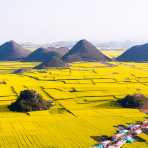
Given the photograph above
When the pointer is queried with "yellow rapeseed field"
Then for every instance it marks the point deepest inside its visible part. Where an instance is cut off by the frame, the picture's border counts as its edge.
(84, 97)
(113, 53)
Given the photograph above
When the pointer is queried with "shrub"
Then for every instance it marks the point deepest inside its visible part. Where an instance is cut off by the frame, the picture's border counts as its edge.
(134, 101)
(29, 100)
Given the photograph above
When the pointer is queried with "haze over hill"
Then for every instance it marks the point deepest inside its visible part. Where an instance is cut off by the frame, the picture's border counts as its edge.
(62, 50)
(102, 45)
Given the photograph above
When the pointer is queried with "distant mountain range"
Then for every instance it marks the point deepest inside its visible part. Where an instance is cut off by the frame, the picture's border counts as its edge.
(82, 50)
(101, 45)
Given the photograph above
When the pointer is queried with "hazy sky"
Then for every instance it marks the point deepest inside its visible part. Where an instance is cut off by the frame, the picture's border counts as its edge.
(54, 20)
